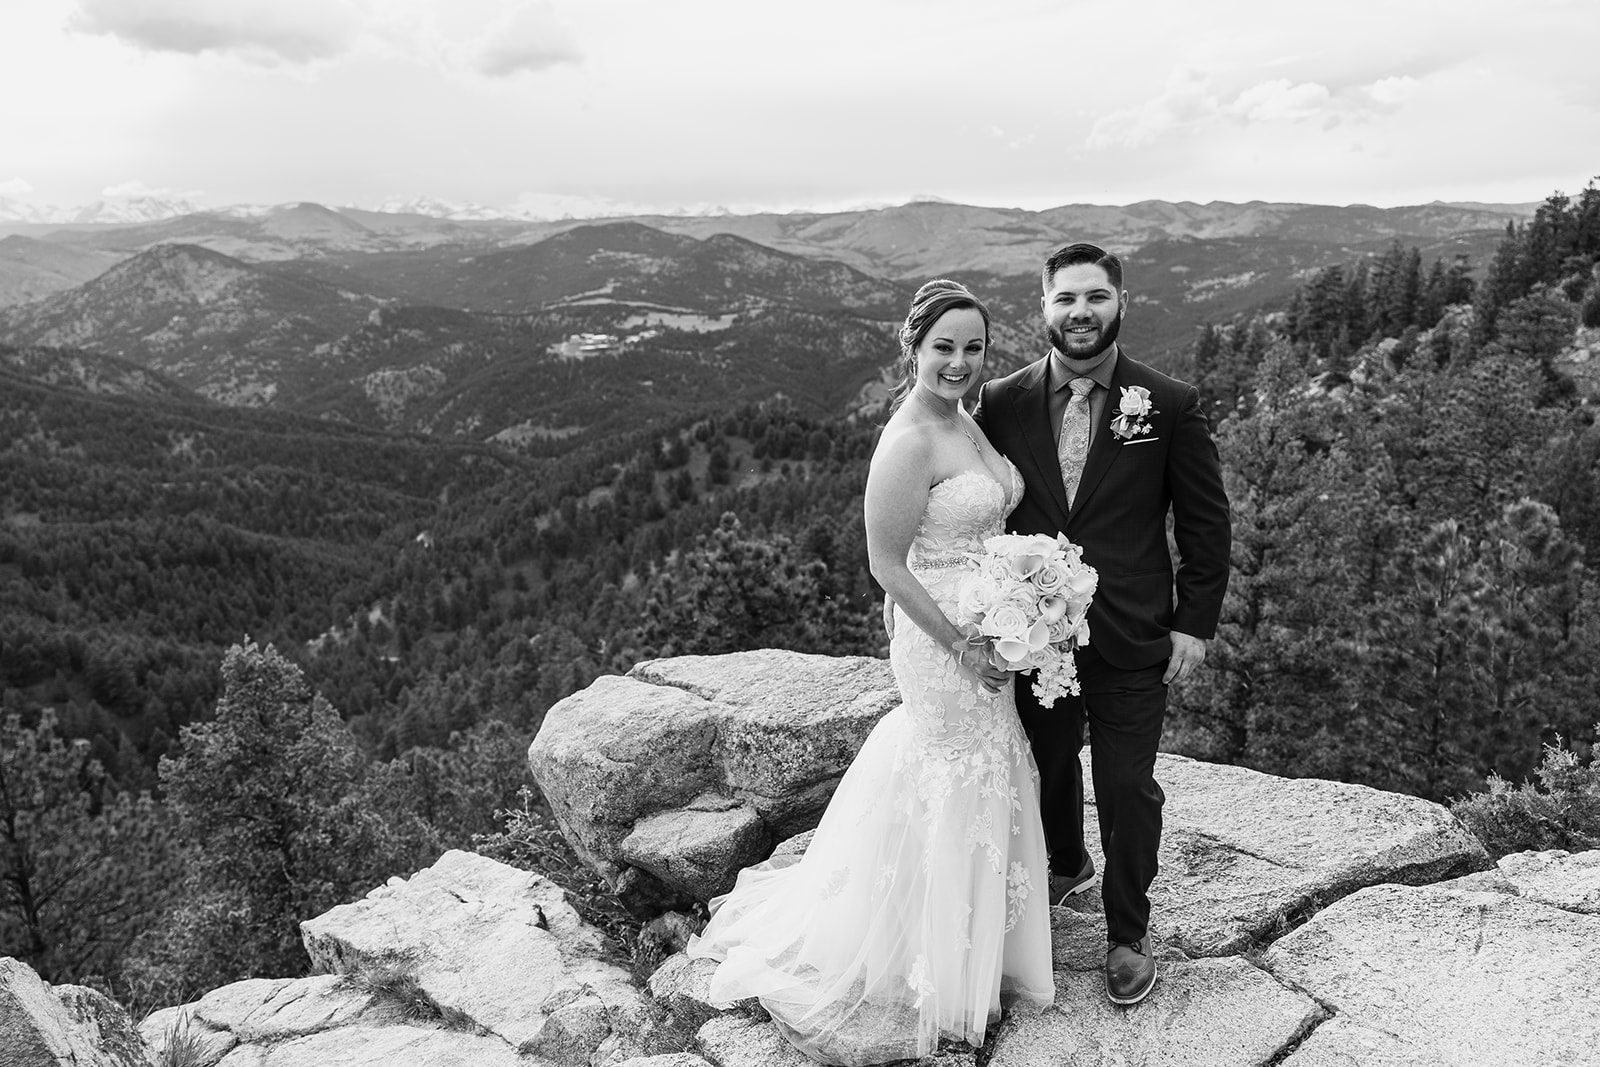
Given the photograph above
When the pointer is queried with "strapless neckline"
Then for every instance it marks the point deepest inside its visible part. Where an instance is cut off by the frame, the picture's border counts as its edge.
(1006, 491)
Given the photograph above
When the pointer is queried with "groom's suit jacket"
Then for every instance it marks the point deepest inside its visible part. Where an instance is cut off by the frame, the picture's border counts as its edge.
(1119, 517)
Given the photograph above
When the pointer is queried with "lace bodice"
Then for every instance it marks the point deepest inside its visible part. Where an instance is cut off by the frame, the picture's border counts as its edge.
(962, 510)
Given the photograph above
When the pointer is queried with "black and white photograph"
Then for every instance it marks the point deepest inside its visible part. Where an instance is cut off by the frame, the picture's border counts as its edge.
(594, 533)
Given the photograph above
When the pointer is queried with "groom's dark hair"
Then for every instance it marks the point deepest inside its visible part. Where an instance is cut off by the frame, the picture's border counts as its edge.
(1082, 252)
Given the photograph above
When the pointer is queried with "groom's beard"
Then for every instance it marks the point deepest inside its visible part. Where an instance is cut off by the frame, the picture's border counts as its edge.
(1107, 338)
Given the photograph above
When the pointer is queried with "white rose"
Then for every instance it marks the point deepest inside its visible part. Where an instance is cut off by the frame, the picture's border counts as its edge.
(1135, 401)
(1005, 621)
(1023, 595)
(976, 598)
(995, 570)
(1052, 579)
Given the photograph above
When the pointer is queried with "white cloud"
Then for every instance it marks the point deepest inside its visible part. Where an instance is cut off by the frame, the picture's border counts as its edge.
(1190, 104)
(16, 187)
(295, 31)
(135, 189)
(533, 39)
(1279, 99)
(1392, 92)
(491, 37)
(1187, 98)
(1012, 144)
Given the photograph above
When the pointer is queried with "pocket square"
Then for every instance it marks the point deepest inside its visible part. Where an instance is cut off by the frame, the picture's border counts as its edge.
(1140, 440)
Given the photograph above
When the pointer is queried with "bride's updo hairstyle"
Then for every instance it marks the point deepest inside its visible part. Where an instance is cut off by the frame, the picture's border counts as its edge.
(930, 303)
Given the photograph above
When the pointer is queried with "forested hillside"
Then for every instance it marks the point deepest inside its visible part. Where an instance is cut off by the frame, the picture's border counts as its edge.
(1416, 497)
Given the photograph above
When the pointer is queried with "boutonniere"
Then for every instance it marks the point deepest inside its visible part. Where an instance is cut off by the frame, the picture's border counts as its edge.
(1133, 413)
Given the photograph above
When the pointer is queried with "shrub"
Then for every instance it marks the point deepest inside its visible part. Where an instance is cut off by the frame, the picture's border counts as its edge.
(1589, 310)
(181, 1046)
(1559, 810)
(532, 842)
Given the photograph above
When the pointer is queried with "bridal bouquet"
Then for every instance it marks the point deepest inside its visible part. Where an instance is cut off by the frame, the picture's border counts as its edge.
(1029, 597)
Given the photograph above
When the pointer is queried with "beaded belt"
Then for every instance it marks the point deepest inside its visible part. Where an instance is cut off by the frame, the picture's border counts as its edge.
(938, 563)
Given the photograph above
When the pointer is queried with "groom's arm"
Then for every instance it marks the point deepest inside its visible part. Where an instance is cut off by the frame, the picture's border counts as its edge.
(1202, 524)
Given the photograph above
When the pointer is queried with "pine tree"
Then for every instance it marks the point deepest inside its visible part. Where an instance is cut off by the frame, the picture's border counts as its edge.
(276, 803)
(1535, 328)
(1278, 693)
(83, 868)
(736, 591)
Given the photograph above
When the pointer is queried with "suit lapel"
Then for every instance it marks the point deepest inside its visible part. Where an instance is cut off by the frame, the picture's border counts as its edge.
(1106, 447)
(1031, 409)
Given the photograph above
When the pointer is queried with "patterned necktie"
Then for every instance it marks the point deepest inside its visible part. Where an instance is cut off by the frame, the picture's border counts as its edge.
(1073, 448)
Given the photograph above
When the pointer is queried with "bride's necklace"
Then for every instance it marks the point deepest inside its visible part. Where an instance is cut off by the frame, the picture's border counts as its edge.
(954, 420)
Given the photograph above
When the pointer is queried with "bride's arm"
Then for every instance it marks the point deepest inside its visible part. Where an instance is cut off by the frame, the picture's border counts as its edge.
(897, 495)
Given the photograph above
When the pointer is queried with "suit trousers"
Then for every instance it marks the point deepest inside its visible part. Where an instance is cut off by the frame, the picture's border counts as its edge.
(1123, 710)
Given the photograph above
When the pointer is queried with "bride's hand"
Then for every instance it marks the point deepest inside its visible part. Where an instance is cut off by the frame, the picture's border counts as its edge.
(976, 660)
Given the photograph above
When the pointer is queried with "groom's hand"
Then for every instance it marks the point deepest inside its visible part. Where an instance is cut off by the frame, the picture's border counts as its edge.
(888, 616)
(1187, 655)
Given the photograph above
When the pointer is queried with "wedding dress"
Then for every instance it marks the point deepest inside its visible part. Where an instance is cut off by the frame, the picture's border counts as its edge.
(922, 897)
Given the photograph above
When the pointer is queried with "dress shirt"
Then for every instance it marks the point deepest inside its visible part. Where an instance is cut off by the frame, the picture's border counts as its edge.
(1099, 370)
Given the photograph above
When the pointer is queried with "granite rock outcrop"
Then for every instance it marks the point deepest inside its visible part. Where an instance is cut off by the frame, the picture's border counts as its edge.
(1300, 923)
(671, 779)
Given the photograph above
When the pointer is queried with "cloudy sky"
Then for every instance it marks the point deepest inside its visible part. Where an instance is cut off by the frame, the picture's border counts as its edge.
(747, 104)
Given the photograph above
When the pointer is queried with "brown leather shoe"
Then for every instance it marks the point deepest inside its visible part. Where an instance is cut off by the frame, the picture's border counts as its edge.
(1130, 971)
(1063, 886)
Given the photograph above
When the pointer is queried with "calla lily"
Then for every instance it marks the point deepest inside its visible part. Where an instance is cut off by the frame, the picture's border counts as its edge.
(1015, 651)
(1026, 565)
(1053, 609)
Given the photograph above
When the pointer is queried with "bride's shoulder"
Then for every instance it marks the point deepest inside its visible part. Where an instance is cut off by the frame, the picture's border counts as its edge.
(906, 444)
(903, 432)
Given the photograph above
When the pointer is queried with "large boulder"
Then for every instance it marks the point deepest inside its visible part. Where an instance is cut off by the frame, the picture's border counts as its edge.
(496, 950)
(62, 1026)
(177, 1034)
(1465, 975)
(317, 1021)
(258, 1015)
(1556, 877)
(392, 1045)
(1345, 1043)
(671, 779)
(1202, 1013)
(1246, 856)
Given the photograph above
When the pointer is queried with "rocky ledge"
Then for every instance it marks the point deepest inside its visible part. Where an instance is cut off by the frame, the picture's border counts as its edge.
(1300, 923)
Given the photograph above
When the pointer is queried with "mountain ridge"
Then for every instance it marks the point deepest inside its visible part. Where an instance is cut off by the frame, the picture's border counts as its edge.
(666, 311)
(483, 346)
(216, 324)
(901, 242)
(150, 208)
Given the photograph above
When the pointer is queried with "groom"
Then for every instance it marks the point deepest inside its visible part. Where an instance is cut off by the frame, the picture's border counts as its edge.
(1107, 448)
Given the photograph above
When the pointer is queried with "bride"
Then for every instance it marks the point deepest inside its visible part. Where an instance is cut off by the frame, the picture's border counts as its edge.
(921, 899)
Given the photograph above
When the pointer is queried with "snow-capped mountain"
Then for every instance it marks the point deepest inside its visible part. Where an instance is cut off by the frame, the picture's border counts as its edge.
(135, 209)
(17, 211)
(433, 207)
(122, 209)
